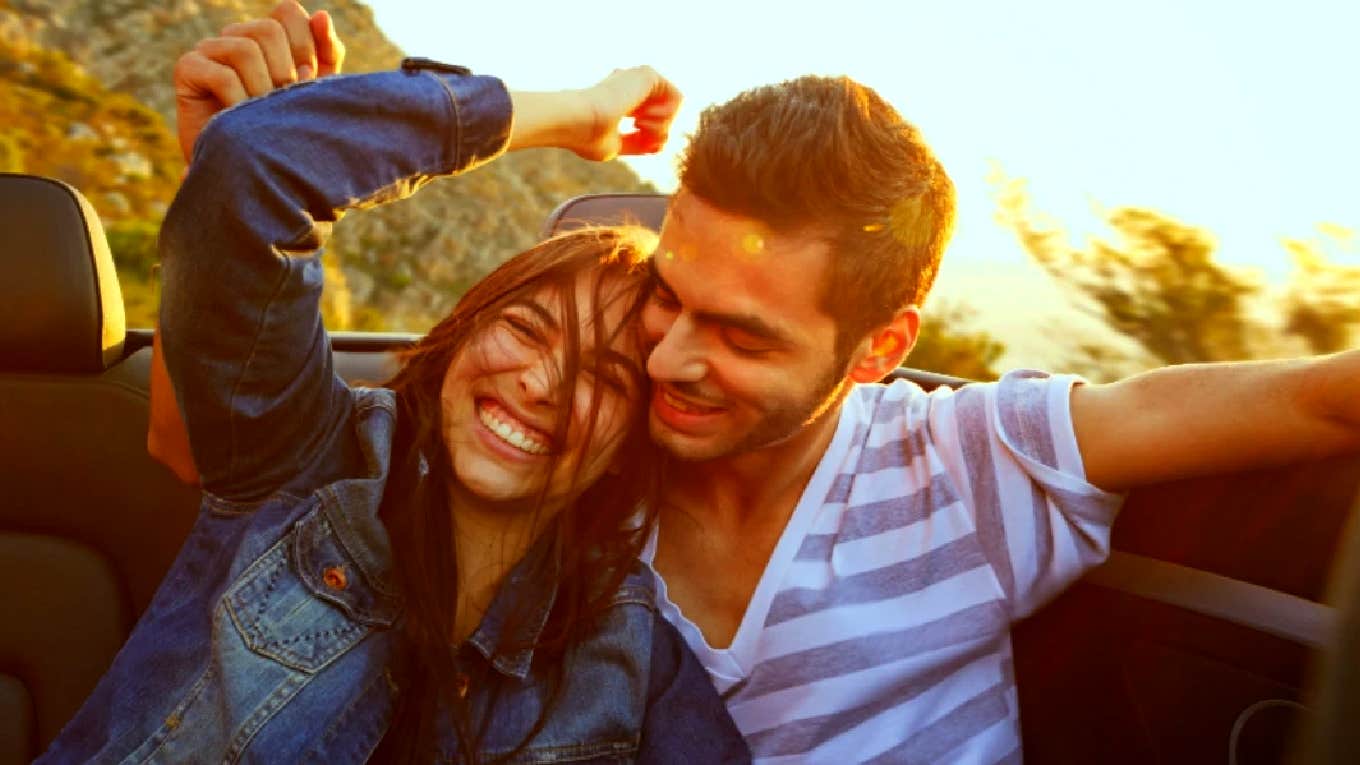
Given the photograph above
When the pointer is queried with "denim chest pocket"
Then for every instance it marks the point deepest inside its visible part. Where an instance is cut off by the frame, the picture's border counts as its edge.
(304, 602)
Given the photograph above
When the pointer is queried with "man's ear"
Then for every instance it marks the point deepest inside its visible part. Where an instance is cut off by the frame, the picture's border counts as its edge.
(887, 347)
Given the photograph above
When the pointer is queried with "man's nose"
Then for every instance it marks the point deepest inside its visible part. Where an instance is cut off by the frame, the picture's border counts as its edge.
(679, 355)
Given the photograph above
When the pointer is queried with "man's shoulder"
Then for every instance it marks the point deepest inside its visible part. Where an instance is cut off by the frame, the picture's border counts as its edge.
(902, 409)
(870, 397)
(885, 402)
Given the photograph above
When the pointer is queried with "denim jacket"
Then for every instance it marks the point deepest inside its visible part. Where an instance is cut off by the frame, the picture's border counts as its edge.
(271, 638)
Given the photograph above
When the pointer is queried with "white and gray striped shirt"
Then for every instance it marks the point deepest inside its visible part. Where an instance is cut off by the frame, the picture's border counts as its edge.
(879, 631)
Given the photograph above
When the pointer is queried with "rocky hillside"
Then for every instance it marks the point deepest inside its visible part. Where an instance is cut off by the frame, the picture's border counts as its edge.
(85, 96)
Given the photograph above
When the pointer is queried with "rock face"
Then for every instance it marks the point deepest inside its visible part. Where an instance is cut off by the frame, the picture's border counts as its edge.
(399, 267)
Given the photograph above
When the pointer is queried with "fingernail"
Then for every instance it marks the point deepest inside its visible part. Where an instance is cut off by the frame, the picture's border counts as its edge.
(304, 71)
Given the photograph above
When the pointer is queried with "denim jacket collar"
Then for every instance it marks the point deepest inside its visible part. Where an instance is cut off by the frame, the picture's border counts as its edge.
(532, 580)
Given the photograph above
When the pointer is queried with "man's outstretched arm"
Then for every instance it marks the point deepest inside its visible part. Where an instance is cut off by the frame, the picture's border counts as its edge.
(1199, 419)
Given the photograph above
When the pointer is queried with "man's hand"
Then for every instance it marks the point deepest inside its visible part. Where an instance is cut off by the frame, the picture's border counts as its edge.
(250, 59)
(587, 121)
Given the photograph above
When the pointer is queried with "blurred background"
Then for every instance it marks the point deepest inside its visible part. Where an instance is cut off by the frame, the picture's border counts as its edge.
(1139, 184)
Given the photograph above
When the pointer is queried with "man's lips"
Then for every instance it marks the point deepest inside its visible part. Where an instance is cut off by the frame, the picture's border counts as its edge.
(681, 412)
(687, 405)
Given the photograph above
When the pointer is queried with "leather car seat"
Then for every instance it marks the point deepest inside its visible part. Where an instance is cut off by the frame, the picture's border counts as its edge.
(88, 522)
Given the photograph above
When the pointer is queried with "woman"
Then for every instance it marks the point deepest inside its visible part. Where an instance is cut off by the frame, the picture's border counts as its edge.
(443, 566)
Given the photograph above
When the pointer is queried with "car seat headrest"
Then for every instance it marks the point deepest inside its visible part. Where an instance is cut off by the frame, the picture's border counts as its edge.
(60, 306)
(607, 210)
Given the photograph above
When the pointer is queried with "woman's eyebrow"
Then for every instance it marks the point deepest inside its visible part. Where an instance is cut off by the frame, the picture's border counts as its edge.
(543, 314)
(591, 356)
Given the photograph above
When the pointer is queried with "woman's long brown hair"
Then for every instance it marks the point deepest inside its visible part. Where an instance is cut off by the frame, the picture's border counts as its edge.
(596, 539)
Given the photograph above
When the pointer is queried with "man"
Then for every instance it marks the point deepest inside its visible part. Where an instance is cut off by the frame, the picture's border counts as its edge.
(875, 542)
(846, 557)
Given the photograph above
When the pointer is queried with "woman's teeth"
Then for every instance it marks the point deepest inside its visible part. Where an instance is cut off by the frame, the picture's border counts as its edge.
(510, 432)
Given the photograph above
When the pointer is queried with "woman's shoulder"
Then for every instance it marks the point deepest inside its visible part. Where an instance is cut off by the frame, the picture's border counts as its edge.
(638, 588)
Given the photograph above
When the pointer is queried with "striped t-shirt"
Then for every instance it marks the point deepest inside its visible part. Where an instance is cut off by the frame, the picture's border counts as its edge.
(879, 631)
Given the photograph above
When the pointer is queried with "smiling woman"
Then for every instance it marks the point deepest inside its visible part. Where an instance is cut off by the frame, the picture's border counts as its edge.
(528, 392)
(441, 568)
(504, 417)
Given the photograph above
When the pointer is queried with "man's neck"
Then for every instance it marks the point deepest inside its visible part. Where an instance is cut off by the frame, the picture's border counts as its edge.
(722, 519)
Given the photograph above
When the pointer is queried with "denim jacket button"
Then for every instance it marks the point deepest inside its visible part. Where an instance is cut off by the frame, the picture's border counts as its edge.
(334, 577)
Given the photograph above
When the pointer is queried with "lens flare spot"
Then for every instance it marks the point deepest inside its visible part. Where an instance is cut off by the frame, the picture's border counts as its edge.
(753, 243)
(913, 222)
(873, 227)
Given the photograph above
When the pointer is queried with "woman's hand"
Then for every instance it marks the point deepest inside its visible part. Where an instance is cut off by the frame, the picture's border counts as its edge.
(587, 121)
(250, 59)
(640, 93)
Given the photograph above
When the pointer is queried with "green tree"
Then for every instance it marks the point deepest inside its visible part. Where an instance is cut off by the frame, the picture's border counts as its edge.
(133, 244)
(949, 345)
(1322, 302)
(11, 154)
(1157, 282)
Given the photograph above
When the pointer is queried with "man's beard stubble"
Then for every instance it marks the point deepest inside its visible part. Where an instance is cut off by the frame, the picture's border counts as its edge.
(786, 423)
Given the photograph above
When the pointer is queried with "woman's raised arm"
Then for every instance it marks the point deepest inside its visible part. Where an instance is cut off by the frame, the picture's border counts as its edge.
(240, 325)
(240, 248)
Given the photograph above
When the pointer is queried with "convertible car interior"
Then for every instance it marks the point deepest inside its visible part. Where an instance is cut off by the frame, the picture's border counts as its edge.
(1198, 642)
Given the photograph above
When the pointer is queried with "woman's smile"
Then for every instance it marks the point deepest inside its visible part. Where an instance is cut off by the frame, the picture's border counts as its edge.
(510, 430)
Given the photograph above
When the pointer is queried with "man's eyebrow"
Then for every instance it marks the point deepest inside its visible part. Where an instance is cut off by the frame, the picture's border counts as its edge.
(746, 322)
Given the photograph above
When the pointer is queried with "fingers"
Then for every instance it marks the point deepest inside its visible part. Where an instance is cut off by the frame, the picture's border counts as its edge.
(250, 59)
(641, 142)
(243, 58)
(298, 30)
(330, 51)
(196, 75)
(652, 113)
(203, 87)
(270, 37)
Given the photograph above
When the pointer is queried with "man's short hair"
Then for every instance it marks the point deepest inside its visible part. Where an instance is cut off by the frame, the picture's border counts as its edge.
(827, 156)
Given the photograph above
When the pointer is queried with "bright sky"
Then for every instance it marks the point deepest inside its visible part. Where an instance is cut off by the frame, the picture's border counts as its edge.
(1236, 115)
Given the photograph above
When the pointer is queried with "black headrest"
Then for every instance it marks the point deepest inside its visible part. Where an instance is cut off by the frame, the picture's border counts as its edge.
(608, 210)
(60, 306)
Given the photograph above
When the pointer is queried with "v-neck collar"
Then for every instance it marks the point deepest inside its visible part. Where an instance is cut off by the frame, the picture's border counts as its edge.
(735, 662)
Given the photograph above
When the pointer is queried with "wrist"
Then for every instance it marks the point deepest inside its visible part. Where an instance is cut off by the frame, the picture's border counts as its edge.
(562, 119)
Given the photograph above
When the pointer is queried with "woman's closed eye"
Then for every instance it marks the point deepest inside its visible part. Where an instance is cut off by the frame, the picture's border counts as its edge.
(524, 328)
(664, 298)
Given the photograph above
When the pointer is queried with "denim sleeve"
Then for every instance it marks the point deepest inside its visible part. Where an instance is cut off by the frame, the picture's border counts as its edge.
(241, 254)
(686, 721)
